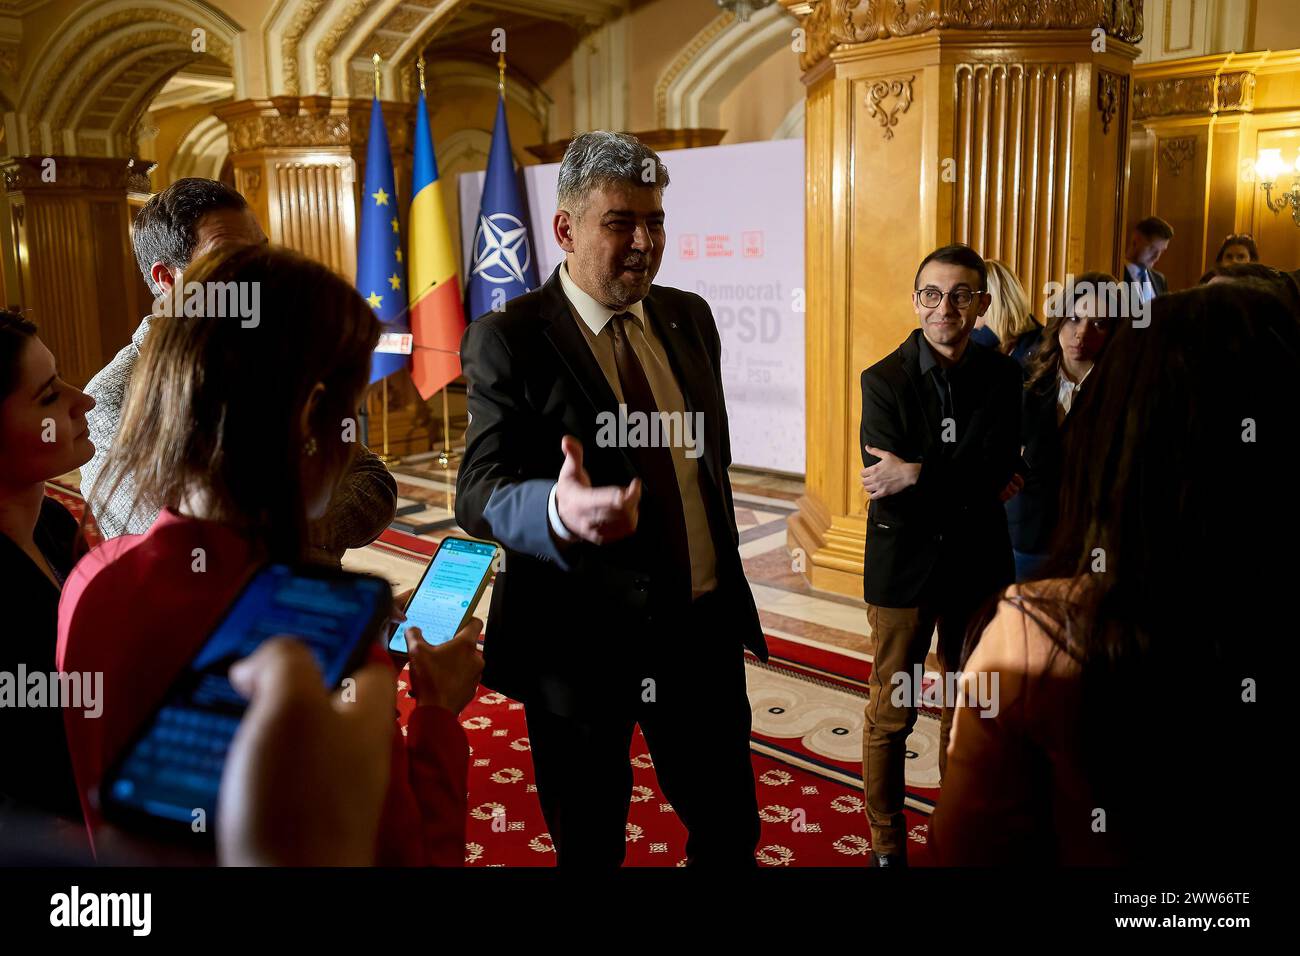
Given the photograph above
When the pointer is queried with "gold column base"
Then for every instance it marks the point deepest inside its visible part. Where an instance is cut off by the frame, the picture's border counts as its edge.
(830, 548)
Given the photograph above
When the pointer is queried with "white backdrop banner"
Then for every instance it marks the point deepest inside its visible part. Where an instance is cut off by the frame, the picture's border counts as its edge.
(735, 237)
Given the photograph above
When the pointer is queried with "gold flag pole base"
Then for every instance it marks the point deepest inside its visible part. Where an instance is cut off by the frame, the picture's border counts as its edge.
(384, 456)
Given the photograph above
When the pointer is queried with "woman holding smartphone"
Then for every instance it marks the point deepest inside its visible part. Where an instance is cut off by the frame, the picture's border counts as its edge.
(238, 429)
(43, 434)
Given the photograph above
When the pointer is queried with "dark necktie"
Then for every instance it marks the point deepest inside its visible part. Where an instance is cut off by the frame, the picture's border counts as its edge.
(658, 475)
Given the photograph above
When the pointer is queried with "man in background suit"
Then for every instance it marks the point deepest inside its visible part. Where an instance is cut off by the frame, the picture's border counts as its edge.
(1146, 244)
(623, 600)
(941, 437)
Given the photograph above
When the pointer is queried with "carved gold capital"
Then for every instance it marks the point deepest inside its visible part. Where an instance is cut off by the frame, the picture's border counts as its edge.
(29, 174)
(830, 23)
(311, 121)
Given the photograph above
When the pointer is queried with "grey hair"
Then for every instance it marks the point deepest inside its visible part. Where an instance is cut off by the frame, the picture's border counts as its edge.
(601, 158)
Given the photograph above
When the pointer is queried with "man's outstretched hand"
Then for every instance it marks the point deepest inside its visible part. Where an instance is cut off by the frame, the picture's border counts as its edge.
(597, 515)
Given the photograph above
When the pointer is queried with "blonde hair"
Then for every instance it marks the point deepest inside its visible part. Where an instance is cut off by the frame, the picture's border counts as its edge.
(1008, 315)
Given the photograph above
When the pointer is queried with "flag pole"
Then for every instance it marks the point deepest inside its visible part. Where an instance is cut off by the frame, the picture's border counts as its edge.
(386, 458)
(444, 456)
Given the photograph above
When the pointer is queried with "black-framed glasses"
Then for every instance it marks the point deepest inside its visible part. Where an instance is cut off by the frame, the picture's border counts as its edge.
(931, 298)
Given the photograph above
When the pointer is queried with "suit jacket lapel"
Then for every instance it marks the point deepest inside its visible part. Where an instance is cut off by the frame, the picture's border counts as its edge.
(573, 349)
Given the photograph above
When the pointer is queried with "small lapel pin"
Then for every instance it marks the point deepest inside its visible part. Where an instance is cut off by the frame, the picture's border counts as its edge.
(672, 325)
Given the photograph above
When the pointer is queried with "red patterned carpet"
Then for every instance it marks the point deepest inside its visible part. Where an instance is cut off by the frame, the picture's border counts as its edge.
(806, 745)
(808, 820)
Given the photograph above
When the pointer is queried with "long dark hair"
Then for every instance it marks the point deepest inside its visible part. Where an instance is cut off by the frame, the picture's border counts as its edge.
(1280, 283)
(215, 402)
(15, 333)
(1046, 360)
(1176, 487)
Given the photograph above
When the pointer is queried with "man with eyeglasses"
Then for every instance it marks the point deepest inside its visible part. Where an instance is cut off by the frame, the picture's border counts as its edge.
(940, 445)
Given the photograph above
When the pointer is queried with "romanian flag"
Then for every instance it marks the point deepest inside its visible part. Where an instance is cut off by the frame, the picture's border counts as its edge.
(437, 317)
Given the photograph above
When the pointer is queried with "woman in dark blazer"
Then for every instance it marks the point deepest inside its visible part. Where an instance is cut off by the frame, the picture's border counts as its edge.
(43, 434)
(1056, 373)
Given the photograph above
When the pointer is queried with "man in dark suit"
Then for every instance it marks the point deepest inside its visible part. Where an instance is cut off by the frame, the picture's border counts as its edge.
(940, 436)
(1146, 244)
(623, 600)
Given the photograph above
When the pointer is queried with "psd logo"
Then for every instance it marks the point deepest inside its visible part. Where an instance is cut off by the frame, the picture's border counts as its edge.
(688, 246)
(751, 244)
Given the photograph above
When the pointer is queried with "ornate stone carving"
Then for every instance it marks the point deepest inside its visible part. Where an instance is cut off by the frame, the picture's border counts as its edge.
(1175, 153)
(833, 22)
(1194, 94)
(310, 121)
(330, 41)
(819, 39)
(302, 18)
(900, 90)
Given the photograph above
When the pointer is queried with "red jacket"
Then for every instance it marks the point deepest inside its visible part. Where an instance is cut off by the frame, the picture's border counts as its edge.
(136, 610)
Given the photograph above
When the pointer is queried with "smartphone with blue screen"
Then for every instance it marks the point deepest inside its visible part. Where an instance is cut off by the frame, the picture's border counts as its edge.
(172, 768)
(448, 591)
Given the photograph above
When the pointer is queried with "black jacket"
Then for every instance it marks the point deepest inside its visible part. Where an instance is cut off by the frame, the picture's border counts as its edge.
(946, 536)
(571, 627)
(1032, 514)
(37, 771)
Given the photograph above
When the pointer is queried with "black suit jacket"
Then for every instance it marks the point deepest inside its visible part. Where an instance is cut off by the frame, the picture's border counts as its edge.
(945, 536)
(571, 626)
(1032, 514)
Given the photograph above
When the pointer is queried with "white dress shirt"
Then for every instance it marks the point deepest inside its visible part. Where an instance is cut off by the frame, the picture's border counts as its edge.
(592, 319)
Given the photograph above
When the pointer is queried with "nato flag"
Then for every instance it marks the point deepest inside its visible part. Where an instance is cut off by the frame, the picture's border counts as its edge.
(381, 274)
(504, 263)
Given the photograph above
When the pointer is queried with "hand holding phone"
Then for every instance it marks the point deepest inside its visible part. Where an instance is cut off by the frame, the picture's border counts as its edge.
(168, 777)
(449, 590)
(285, 804)
(446, 675)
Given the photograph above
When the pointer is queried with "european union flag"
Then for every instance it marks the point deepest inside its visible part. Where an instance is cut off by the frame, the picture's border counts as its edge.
(381, 274)
(504, 264)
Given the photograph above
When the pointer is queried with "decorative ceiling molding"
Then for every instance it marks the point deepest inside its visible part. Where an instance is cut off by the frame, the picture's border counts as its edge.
(95, 51)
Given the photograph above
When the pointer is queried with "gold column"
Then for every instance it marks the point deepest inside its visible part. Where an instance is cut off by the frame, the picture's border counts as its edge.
(1001, 126)
(300, 163)
(70, 249)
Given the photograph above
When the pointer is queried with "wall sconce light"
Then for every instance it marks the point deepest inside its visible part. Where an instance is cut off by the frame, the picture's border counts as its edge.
(1268, 167)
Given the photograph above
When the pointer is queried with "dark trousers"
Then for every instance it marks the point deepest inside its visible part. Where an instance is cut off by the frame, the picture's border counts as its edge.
(902, 640)
(695, 717)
